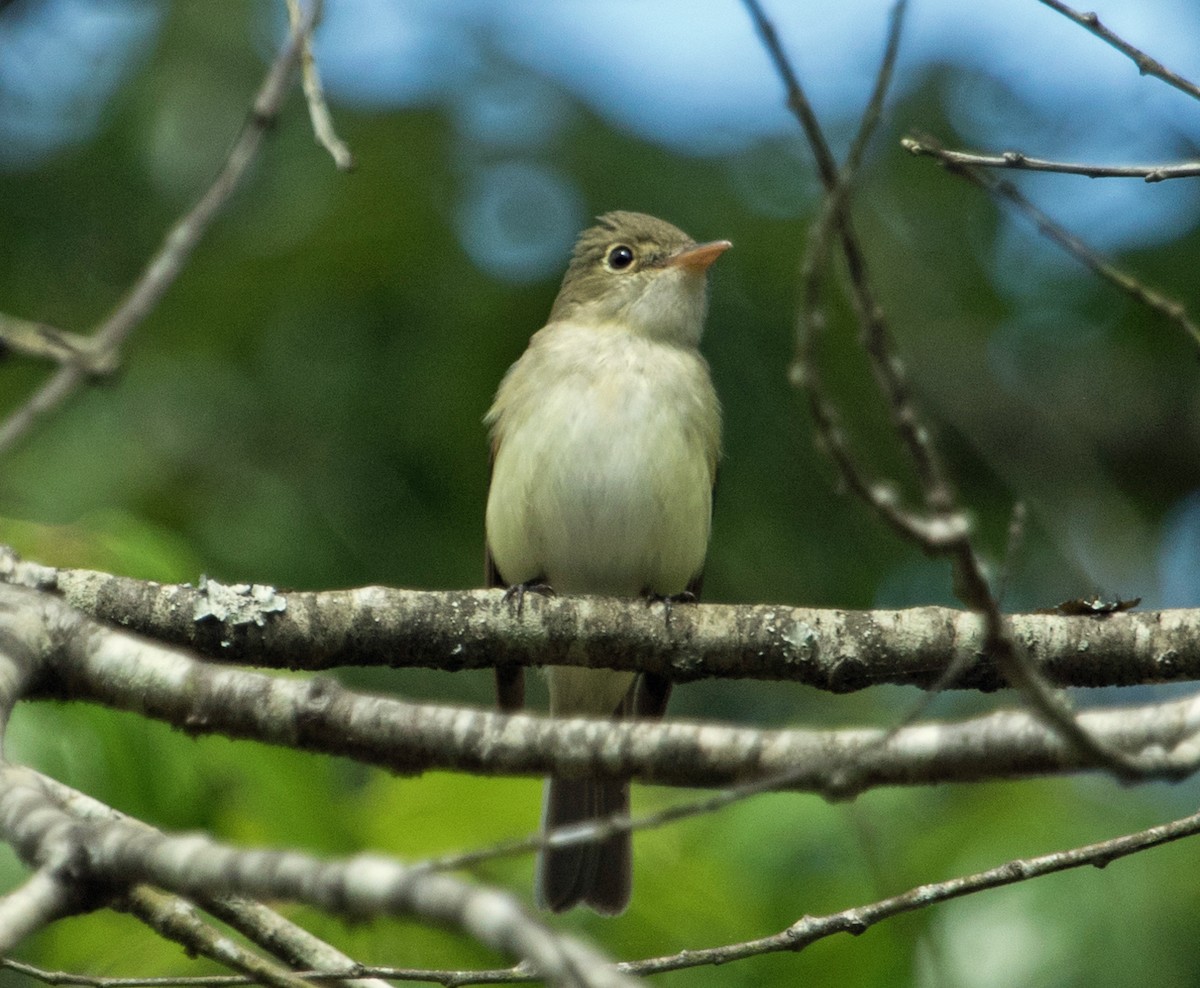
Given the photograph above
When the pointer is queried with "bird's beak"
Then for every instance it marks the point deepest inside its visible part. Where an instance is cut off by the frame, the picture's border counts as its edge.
(698, 258)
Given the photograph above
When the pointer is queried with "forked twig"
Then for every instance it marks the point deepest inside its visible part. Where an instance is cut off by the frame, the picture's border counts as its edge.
(944, 530)
(1169, 308)
(314, 93)
(1146, 65)
(168, 261)
(1019, 161)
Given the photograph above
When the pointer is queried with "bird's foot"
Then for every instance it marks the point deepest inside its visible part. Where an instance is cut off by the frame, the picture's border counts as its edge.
(518, 591)
(668, 602)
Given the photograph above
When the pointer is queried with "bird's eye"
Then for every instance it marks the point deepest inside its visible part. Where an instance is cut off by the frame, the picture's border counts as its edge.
(620, 257)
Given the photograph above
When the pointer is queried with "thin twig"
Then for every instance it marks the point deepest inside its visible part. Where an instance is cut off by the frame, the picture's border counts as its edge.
(174, 919)
(314, 93)
(888, 371)
(1169, 308)
(810, 929)
(171, 257)
(1020, 161)
(282, 938)
(1146, 65)
(810, 320)
(447, 977)
(805, 374)
(869, 121)
(37, 339)
(945, 532)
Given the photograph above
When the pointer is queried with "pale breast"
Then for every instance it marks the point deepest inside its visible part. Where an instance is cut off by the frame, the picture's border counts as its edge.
(603, 472)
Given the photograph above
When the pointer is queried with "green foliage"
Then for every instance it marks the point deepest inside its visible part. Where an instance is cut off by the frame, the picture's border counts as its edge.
(304, 409)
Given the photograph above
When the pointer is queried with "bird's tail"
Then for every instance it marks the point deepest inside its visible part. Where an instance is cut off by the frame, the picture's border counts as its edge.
(598, 874)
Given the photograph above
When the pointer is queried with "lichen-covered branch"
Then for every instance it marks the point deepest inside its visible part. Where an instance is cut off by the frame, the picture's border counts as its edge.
(112, 853)
(257, 923)
(836, 650)
(88, 661)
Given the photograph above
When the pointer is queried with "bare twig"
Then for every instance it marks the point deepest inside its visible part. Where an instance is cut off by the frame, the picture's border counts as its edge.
(945, 531)
(1169, 308)
(810, 929)
(885, 365)
(1019, 161)
(172, 918)
(810, 318)
(447, 977)
(1146, 65)
(879, 92)
(169, 260)
(257, 923)
(116, 853)
(314, 92)
(321, 716)
(284, 939)
(44, 897)
(839, 783)
(37, 339)
(80, 660)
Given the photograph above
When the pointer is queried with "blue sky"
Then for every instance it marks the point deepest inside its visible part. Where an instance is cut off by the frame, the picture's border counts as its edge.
(688, 74)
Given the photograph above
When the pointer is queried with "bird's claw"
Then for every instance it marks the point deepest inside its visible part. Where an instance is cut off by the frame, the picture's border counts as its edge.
(669, 601)
(518, 591)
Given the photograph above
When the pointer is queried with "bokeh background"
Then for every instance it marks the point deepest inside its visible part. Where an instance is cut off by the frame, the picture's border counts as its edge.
(304, 410)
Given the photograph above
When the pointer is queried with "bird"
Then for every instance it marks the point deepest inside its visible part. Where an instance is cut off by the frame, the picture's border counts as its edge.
(605, 437)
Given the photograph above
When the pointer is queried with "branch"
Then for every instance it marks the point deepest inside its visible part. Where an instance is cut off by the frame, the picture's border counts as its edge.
(876, 337)
(45, 897)
(106, 855)
(1169, 308)
(314, 93)
(944, 530)
(1169, 729)
(1146, 65)
(260, 925)
(169, 260)
(173, 919)
(801, 934)
(36, 339)
(357, 887)
(809, 929)
(86, 661)
(285, 940)
(447, 977)
(836, 650)
(805, 372)
(1023, 162)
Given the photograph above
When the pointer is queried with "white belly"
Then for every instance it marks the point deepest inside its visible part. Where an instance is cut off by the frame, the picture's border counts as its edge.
(602, 478)
(606, 487)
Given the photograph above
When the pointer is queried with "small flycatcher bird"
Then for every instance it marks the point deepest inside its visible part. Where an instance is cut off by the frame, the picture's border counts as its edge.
(605, 437)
